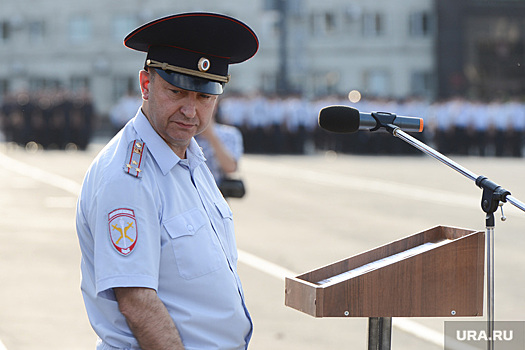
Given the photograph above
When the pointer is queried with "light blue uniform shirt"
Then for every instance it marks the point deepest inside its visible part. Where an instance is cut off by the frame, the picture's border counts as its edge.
(175, 234)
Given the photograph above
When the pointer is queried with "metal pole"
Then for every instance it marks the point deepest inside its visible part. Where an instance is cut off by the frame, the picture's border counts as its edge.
(490, 285)
(516, 203)
(379, 333)
(433, 153)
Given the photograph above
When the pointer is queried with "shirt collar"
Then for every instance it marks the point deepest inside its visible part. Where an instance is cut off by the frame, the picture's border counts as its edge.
(159, 149)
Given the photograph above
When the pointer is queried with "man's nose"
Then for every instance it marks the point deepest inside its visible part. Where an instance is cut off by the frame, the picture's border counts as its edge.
(189, 106)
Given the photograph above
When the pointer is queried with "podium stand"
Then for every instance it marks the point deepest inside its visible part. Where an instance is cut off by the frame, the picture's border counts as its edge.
(435, 273)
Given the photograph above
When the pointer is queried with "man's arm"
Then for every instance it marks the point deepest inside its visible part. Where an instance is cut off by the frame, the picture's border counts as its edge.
(148, 319)
(225, 159)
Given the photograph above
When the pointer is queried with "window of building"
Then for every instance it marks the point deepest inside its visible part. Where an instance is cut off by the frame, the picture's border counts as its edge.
(269, 25)
(5, 31)
(291, 7)
(420, 24)
(122, 85)
(122, 25)
(421, 83)
(330, 23)
(80, 29)
(321, 83)
(323, 23)
(269, 82)
(36, 84)
(79, 83)
(314, 24)
(269, 5)
(4, 88)
(352, 13)
(377, 83)
(36, 31)
(373, 24)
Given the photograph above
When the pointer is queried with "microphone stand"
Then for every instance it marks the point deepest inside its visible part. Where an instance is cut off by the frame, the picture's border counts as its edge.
(493, 197)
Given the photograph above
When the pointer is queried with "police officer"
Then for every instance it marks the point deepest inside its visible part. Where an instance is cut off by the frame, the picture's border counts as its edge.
(159, 261)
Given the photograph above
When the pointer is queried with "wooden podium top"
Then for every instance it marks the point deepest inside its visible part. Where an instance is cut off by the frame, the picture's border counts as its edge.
(438, 272)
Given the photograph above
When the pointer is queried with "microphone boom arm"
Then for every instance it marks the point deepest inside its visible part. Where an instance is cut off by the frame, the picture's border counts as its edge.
(480, 181)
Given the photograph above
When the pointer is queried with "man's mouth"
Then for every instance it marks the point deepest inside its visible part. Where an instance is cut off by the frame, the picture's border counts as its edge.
(184, 125)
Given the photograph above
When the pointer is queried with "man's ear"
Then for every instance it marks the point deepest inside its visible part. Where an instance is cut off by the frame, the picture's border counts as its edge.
(144, 79)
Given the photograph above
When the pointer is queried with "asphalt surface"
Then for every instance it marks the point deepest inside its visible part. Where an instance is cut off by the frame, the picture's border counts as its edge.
(300, 213)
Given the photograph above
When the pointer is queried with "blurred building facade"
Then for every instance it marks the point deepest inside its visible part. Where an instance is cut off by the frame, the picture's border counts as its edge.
(480, 48)
(428, 48)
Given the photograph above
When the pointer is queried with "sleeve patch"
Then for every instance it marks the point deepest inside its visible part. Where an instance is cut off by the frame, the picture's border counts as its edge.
(123, 231)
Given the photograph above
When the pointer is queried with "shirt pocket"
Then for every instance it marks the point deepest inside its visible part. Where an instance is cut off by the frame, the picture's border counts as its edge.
(195, 246)
(229, 231)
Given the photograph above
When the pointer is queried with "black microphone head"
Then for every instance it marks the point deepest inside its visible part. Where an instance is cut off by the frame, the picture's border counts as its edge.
(342, 119)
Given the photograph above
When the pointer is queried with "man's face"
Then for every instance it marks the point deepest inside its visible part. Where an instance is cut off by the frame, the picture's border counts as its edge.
(176, 114)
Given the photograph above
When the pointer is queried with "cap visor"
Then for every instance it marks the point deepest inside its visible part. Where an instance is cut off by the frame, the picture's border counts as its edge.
(190, 83)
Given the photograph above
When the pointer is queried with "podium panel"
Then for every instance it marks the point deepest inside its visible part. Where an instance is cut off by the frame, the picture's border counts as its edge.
(435, 273)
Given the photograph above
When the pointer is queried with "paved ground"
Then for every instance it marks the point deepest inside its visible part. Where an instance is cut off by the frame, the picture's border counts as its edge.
(300, 213)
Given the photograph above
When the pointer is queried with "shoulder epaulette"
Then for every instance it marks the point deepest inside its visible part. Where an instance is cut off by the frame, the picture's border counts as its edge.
(135, 158)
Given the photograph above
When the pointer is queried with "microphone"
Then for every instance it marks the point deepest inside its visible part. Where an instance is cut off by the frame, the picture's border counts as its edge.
(345, 119)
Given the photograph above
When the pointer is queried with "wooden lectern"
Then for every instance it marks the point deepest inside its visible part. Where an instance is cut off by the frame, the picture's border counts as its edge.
(435, 273)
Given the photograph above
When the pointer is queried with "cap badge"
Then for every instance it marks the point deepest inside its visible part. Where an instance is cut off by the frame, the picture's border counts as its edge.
(204, 64)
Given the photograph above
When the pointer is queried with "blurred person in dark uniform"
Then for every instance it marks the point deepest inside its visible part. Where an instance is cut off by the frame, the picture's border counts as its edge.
(516, 115)
(8, 104)
(81, 121)
(18, 118)
(58, 120)
(38, 124)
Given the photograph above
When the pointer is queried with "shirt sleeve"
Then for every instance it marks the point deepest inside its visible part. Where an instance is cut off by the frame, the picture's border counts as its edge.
(126, 235)
(231, 137)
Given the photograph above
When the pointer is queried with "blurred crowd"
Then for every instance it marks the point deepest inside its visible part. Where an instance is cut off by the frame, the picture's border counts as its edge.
(57, 119)
(49, 119)
(454, 126)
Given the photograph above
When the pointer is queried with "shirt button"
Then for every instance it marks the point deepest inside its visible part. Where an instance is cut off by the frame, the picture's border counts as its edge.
(189, 227)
